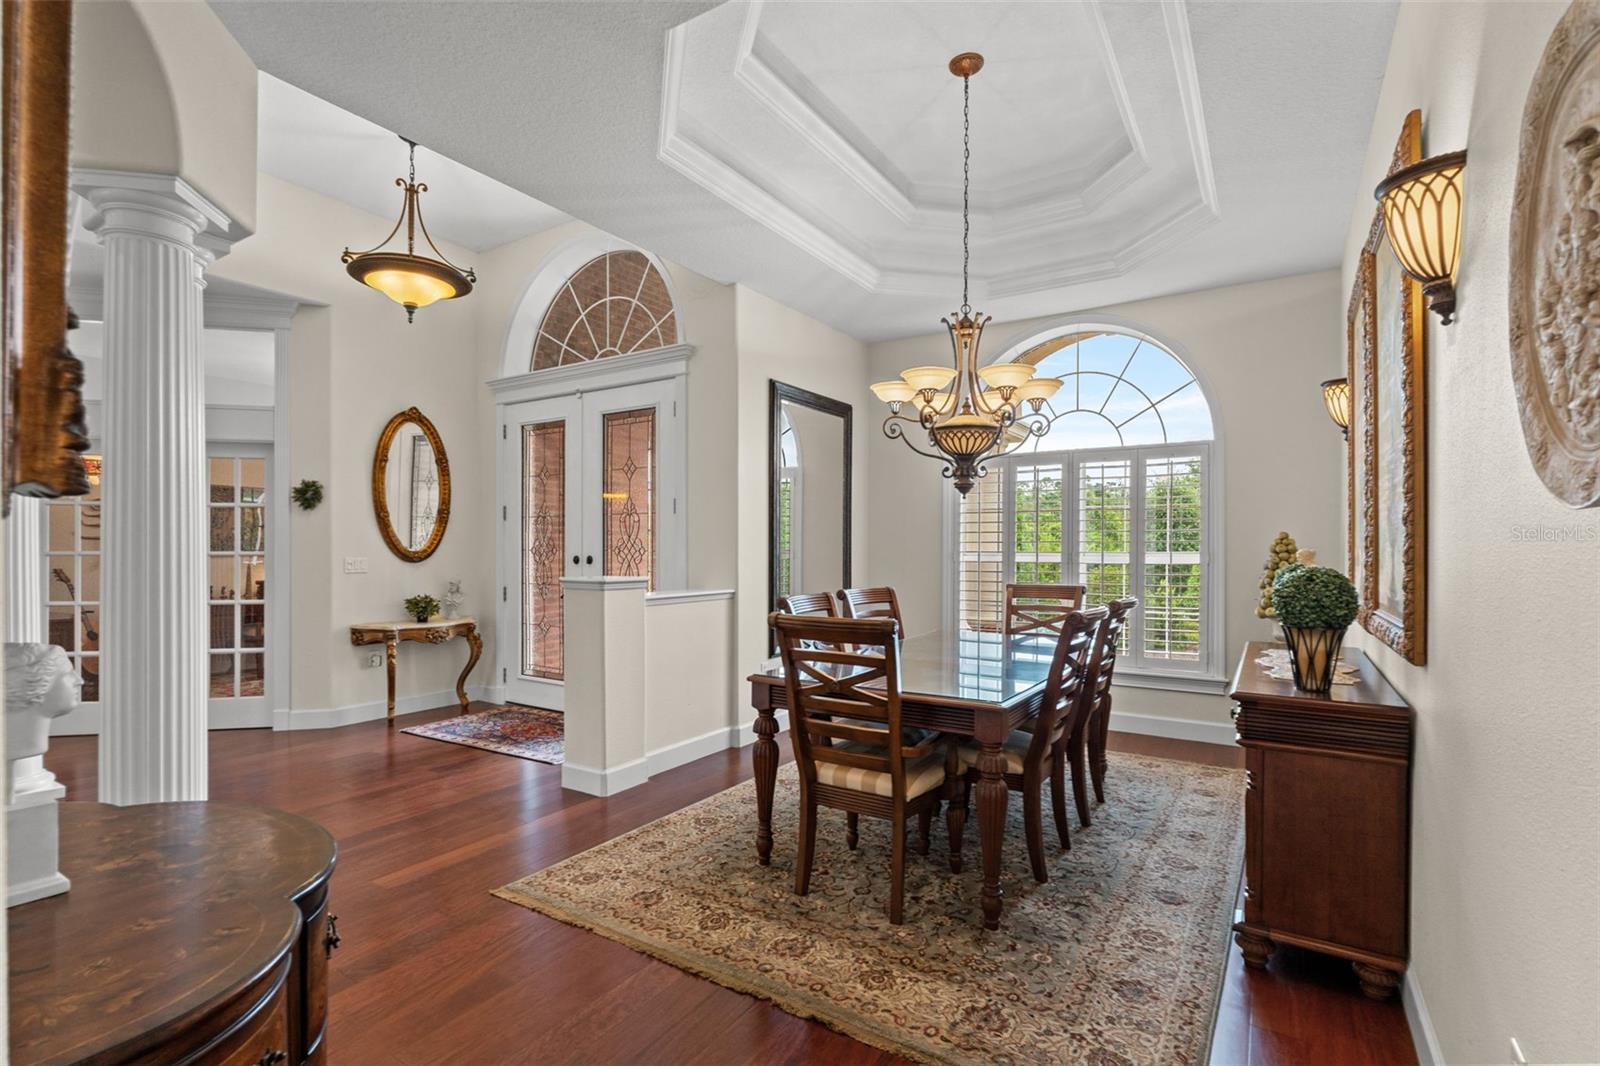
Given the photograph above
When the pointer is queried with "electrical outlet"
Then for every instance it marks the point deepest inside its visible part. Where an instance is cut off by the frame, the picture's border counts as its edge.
(355, 564)
(1517, 1057)
(374, 658)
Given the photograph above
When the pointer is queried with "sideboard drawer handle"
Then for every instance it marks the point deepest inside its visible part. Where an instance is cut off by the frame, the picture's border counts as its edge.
(272, 1058)
(332, 940)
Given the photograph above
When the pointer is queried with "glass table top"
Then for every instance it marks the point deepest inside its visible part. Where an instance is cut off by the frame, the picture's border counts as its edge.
(970, 666)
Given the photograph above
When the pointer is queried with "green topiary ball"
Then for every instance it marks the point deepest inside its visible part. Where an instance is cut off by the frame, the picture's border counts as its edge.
(1314, 597)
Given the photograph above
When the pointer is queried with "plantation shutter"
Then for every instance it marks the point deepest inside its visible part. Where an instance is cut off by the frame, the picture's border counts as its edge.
(981, 567)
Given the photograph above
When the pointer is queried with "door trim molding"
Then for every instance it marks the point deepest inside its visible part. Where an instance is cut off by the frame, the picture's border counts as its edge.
(657, 364)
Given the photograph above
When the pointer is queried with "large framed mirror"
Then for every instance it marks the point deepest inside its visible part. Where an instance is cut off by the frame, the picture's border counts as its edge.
(411, 486)
(809, 493)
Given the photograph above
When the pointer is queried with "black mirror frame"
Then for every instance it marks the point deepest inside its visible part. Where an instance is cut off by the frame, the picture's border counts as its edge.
(779, 393)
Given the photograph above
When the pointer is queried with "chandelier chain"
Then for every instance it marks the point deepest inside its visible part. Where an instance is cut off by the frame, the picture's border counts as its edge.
(966, 189)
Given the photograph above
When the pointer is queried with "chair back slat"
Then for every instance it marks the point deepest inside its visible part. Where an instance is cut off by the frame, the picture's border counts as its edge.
(879, 602)
(843, 668)
(1104, 662)
(1039, 609)
(814, 604)
(1069, 669)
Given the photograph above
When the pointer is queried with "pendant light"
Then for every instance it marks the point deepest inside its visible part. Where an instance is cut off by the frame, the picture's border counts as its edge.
(409, 279)
(970, 414)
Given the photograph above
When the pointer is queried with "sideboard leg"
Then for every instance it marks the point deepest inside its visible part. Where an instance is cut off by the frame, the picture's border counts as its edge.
(1376, 982)
(1255, 949)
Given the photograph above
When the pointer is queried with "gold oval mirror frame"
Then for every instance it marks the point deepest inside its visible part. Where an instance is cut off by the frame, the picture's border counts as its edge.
(380, 501)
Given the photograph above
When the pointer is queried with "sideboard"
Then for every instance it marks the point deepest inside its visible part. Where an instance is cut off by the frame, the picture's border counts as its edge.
(1327, 818)
(193, 933)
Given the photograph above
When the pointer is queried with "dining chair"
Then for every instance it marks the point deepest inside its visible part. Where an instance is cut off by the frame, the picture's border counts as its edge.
(1097, 696)
(843, 682)
(809, 604)
(1039, 609)
(1030, 757)
(879, 602)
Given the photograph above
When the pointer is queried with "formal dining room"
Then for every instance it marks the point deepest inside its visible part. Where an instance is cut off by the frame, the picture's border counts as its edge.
(693, 532)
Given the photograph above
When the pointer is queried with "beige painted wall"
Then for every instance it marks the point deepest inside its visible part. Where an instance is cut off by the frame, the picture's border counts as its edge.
(775, 342)
(1505, 893)
(1259, 350)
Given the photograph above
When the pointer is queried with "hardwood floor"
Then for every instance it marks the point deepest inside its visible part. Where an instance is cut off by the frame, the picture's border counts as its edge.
(434, 970)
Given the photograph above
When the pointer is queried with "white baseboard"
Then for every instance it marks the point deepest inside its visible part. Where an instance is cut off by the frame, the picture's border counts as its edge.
(686, 751)
(594, 782)
(332, 717)
(1423, 1037)
(1155, 725)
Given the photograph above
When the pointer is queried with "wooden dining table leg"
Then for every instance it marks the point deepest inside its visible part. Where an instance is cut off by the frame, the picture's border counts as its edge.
(991, 801)
(765, 758)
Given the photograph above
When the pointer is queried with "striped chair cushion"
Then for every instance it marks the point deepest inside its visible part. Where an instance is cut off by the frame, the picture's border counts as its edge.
(1016, 751)
(923, 776)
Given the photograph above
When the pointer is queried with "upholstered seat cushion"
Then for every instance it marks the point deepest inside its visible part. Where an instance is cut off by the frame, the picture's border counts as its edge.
(911, 735)
(925, 775)
(1016, 751)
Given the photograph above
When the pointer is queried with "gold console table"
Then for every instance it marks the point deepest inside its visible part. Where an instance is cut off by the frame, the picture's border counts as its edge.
(390, 634)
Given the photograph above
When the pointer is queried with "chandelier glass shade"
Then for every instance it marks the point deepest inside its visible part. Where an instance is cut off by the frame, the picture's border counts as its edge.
(967, 414)
(409, 279)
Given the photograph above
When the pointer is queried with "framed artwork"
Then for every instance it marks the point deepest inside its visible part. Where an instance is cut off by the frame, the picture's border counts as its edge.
(42, 381)
(1388, 437)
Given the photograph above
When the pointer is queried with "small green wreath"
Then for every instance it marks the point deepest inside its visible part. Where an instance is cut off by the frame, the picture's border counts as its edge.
(307, 494)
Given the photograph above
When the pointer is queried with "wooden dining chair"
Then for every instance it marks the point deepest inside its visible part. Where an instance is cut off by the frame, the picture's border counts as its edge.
(1097, 715)
(808, 604)
(1030, 756)
(879, 602)
(843, 683)
(1039, 609)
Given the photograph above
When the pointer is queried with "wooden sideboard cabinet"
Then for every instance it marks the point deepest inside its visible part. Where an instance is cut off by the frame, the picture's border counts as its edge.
(1327, 819)
(193, 933)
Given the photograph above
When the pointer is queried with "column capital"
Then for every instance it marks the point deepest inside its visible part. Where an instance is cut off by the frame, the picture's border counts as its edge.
(162, 206)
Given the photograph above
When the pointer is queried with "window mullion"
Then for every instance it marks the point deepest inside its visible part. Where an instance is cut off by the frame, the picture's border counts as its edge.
(1070, 562)
(1136, 461)
(1008, 525)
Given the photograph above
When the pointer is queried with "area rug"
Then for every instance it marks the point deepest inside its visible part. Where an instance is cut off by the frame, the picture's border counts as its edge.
(1117, 960)
(526, 732)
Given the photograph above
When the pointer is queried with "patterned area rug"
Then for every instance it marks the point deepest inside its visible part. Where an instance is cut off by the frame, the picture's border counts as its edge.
(1117, 960)
(526, 732)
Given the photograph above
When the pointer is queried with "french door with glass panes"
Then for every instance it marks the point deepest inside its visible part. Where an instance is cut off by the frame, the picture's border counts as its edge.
(589, 487)
(236, 578)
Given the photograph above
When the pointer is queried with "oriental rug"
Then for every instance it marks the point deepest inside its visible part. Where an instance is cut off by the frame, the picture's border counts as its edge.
(526, 732)
(1117, 960)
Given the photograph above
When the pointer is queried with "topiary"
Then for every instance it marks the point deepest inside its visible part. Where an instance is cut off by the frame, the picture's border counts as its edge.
(1280, 556)
(1314, 597)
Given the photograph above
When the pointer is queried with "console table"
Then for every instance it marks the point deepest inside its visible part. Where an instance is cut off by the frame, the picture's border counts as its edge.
(1327, 819)
(390, 634)
(193, 932)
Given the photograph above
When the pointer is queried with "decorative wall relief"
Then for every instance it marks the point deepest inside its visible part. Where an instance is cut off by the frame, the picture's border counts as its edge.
(1388, 339)
(1555, 262)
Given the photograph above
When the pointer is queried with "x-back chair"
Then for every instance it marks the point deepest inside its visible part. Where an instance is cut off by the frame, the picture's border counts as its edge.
(1039, 609)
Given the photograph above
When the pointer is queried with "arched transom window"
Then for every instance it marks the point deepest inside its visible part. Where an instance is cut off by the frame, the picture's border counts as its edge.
(1119, 390)
(615, 304)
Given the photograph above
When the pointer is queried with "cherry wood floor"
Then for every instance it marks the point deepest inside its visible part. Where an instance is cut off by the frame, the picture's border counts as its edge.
(434, 970)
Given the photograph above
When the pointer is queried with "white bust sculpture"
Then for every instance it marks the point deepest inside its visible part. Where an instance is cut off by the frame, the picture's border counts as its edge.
(40, 685)
(452, 600)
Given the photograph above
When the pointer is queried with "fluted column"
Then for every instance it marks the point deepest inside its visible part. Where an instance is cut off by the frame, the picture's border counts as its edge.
(24, 598)
(154, 540)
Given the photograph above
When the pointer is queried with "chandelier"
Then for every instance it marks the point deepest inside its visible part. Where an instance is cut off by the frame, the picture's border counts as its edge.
(409, 279)
(970, 414)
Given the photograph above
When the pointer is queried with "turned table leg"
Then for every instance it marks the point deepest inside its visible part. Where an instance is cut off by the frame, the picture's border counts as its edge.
(391, 647)
(765, 758)
(991, 827)
(475, 646)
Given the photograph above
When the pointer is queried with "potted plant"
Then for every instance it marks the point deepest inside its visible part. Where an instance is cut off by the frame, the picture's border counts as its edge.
(1316, 604)
(421, 606)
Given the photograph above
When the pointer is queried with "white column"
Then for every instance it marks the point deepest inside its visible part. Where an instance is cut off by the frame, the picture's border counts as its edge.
(24, 596)
(604, 702)
(154, 540)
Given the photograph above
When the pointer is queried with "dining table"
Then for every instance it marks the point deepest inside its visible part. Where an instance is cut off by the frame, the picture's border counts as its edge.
(959, 682)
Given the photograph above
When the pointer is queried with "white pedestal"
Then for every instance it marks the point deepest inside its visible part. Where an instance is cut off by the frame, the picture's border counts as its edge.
(40, 685)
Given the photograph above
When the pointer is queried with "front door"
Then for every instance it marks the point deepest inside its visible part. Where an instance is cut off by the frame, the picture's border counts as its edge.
(585, 490)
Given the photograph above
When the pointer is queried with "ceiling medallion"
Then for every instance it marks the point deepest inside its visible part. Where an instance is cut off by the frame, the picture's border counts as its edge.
(410, 280)
(971, 414)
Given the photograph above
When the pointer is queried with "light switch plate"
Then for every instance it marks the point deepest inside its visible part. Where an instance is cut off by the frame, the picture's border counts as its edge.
(355, 564)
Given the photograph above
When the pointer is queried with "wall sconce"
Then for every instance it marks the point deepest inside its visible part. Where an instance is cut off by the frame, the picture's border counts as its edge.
(1421, 207)
(1336, 398)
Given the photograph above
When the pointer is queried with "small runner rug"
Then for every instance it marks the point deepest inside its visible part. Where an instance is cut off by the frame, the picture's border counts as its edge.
(526, 732)
(1117, 960)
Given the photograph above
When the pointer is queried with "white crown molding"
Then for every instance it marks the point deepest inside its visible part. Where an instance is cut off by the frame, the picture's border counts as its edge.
(1176, 16)
(657, 364)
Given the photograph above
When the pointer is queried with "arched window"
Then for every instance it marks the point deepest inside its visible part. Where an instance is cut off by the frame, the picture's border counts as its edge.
(615, 304)
(1115, 497)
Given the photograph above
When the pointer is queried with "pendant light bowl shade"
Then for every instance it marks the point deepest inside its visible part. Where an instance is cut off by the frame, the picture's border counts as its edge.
(1006, 375)
(928, 378)
(1421, 207)
(893, 391)
(1336, 397)
(412, 281)
(1040, 389)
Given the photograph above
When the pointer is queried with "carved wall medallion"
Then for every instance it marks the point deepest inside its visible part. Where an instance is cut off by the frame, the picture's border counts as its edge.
(1555, 262)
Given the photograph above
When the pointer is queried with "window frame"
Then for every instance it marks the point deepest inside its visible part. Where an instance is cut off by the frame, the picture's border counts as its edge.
(1134, 667)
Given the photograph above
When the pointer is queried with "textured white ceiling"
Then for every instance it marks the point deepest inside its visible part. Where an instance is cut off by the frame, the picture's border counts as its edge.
(564, 101)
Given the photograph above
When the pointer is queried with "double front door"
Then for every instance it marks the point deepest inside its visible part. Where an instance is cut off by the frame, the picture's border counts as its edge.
(588, 488)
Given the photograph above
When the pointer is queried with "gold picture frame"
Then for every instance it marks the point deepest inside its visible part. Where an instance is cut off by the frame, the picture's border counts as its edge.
(42, 386)
(1388, 447)
(380, 471)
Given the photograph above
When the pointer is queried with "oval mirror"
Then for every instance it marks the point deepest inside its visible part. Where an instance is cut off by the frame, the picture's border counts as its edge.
(411, 486)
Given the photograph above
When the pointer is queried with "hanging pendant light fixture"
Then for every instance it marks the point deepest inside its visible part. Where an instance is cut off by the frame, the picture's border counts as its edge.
(971, 414)
(409, 279)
